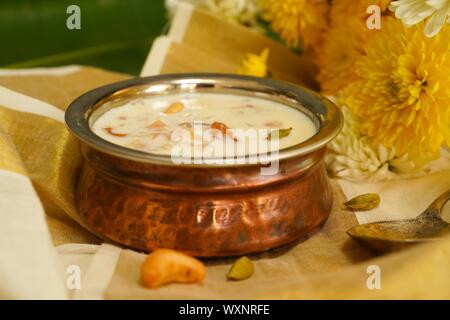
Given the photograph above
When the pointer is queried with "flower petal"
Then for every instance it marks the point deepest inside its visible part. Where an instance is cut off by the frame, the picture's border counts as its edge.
(436, 21)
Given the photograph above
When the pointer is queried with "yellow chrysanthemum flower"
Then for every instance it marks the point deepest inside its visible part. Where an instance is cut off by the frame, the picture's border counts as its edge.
(342, 10)
(402, 93)
(341, 48)
(343, 43)
(298, 22)
(255, 65)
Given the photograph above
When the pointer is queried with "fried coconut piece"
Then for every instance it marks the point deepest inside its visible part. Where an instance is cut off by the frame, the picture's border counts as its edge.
(164, 266)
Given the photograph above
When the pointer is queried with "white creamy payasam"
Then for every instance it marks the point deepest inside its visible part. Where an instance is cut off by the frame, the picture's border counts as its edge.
(159, 125)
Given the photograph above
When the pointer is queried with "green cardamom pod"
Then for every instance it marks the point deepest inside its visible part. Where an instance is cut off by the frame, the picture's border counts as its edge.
(281, 133)
(366, 201)
(241, 269)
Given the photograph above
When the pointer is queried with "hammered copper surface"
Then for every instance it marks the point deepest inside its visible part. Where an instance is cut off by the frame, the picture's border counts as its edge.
(203, 211)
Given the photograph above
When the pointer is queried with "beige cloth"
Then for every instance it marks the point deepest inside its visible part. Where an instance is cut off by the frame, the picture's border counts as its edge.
(327, 250)
(54, 170)
(39, 162)
(401, 199)
(200, 42)
(421, 272)
(35, 146)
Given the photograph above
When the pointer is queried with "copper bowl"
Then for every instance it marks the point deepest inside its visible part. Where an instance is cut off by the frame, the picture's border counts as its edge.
(145, 201)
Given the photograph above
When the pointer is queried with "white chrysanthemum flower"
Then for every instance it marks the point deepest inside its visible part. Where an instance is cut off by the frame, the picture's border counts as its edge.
(411, 12)
(242, 11)
(350, 156)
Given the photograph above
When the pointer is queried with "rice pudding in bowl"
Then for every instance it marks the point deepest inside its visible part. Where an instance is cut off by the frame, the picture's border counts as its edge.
(156, 124)
(138, 188)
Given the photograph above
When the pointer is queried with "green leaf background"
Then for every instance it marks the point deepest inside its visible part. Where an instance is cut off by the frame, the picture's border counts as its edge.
(115, 34)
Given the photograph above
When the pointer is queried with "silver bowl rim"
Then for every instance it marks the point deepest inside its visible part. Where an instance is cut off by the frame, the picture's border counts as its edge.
(321, 110)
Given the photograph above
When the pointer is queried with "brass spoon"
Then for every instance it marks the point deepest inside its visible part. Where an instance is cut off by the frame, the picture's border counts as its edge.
(392, 235)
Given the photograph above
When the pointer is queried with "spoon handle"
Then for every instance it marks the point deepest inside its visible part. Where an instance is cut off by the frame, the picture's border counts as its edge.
(437, 205)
